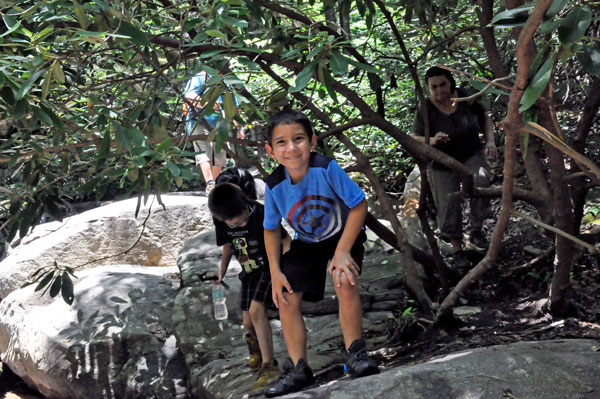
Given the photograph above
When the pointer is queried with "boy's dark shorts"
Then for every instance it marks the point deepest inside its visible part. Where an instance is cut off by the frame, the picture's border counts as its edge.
(305, 264)
(256, 286)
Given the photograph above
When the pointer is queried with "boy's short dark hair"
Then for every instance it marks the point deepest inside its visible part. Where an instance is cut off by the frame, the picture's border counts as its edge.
(241, 178)
(288, 117)
(227, 201)
(437, 71)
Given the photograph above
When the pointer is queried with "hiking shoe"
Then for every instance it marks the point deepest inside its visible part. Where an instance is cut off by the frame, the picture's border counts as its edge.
(358, 363)
(293, 379)
(267, 375)
(209, 186)
(478, 241)
(255, 357)
(461, 261)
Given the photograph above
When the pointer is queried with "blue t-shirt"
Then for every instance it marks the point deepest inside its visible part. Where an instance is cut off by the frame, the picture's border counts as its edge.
(197, 85)
(317, 206)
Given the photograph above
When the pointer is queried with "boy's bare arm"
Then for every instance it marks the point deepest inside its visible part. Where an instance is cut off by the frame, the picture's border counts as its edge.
(342, 262)
(225, 259)
(278, 279)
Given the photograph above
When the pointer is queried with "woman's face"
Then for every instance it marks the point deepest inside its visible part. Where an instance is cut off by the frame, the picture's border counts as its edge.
(439, 87)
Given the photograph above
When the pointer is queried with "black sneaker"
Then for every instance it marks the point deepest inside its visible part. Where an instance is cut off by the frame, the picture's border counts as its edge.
(478, 241)
(293, 379)
(358, 363)
(461, 261)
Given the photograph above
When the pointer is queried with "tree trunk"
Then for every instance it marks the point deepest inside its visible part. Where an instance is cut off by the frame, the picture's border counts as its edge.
(579, 186)
(489, 39)
(563, 209)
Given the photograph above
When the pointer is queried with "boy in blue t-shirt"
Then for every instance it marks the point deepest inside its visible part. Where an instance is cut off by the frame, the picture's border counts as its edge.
(327, 211)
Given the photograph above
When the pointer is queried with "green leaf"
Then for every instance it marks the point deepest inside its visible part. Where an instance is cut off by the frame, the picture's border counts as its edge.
(104, 146)
(511, 18)
(137, 36)
(304, 77)
(590, 60)
(42, 116)
(537, 85)
(23, 90)
(329, 86)
(574, 25)
(555, 8)
(58, 73)
(215, 33)
(55, 288)
(339, 63)
(165, 145)
(229, 106)
(11, 23)
(80, 14)
(45, 281)
(173, 168)
(46, 84)
(66, 289)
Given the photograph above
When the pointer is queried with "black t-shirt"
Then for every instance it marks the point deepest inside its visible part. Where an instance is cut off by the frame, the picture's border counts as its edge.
(462, 126)
(248, 242)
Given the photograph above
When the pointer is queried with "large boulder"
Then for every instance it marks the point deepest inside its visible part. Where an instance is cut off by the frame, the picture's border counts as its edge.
(526, 370)
(93, 236)
(115, 341)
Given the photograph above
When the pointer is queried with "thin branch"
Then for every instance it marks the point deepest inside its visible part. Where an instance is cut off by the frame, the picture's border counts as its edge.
(591, 249)
(130, 248)
(482, 92)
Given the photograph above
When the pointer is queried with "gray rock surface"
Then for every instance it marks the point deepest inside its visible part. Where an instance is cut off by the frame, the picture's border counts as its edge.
(115, 341)
(562, 369)
(108, 230)
(215, 351)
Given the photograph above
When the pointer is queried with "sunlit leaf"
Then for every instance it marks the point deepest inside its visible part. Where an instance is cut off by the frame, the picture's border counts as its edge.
(229, 106)
(216, 33)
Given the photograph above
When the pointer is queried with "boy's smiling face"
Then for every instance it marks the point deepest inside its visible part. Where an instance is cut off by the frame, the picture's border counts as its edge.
(291, 146)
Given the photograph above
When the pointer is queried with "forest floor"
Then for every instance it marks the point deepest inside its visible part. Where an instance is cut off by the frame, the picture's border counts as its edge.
(507, 305)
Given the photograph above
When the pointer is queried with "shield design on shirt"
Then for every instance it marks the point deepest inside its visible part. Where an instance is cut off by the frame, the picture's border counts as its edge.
(316, 217)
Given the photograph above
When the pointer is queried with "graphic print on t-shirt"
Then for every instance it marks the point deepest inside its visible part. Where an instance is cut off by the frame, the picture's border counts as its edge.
(317, 216)
(241, 246)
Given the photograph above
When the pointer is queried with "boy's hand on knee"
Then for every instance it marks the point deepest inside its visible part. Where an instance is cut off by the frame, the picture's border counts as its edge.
(279, 281)
(343, 264)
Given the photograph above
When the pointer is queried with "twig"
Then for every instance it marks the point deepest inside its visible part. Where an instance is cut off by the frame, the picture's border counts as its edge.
(130, 248)
(484, 80)
(590, 248)
(481, 92)
(547, 253)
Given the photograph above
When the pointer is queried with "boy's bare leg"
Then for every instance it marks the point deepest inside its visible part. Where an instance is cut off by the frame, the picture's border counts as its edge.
(292, 325)
(258, 314)
(248, 325)
(350, 311)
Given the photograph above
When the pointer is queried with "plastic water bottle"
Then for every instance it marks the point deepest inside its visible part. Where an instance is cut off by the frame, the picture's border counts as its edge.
(218, 295)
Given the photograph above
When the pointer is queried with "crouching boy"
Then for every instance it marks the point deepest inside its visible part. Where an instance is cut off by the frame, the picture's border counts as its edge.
(238, 226)
(327, 211)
